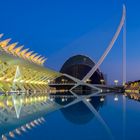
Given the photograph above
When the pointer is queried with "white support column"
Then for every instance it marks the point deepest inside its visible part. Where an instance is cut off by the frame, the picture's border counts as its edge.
(124, 52)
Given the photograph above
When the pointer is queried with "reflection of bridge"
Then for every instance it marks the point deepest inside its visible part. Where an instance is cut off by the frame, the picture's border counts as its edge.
(24, 84)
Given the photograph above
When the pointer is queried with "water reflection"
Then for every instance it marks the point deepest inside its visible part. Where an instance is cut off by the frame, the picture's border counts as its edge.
(101, 116)
(79, 113)
(83, 108)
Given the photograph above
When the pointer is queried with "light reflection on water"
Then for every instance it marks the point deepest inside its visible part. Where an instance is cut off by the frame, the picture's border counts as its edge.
(118, 116)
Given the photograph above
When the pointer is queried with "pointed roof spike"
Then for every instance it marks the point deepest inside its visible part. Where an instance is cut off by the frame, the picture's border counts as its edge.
(5, 42)
(40, 59)
(32, 56)
(28, 54)
(36, 58)
(42, 62)
(23, 52)
(11, 46)
(17, 50)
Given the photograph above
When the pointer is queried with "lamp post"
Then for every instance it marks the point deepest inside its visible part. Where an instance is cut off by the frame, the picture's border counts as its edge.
(88, 80)
(102, 81)
(116, 82)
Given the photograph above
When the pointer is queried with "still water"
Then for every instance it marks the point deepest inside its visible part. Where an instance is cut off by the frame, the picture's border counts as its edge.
(102, 117)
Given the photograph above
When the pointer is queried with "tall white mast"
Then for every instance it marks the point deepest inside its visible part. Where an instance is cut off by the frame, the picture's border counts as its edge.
(124, 51)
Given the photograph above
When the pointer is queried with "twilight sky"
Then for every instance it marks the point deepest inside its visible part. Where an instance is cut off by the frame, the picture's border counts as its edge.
(59, 29)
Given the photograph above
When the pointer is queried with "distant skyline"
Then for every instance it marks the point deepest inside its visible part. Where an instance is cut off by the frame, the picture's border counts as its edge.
(60, 29)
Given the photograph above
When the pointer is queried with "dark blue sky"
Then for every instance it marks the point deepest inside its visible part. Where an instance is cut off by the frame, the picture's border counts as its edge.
(61, 28)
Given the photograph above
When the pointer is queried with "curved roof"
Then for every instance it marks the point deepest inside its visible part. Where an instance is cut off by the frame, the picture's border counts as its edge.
(78, 59)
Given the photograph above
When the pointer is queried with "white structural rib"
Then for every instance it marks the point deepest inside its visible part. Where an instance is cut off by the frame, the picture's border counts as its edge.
(91, 72)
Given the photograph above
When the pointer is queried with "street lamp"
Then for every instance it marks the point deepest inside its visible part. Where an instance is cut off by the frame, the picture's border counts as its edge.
(116, 82)
(102, 81)
(88, 80)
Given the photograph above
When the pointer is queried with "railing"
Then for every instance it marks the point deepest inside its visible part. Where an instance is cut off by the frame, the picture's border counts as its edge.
(62, 83)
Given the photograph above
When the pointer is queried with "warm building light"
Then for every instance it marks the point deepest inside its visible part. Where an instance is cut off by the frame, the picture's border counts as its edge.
(102, 81)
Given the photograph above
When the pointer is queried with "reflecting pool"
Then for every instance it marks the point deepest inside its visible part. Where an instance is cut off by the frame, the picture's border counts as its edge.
(101, 117)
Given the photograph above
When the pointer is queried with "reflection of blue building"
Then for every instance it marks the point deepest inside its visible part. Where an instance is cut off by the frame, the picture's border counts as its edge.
(79, 113)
